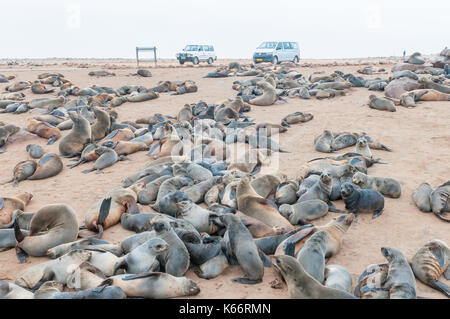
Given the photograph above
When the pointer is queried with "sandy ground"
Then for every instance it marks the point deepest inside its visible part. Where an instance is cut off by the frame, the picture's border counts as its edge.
(420, 138)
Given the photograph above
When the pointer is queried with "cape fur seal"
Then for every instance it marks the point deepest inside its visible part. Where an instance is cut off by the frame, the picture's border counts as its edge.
(430, 262)
(241, 247)
(300, 284)
(50, 226)
(252, 204)
(362, 200)
(400, 279)
(44, 130)
(154, 285)
(49, 165)
(73, 143)
(268, 97)
(387, 186)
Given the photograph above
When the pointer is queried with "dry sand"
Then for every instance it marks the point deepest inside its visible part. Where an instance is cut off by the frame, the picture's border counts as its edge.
(420, 138)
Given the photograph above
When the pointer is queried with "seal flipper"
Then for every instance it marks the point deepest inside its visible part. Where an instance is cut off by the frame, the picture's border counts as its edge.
(2, 149)
(289, 249)
(285, 124)
(333, 209)
(247, 281)
(132, 207)
(17, 232)
(143, 275)
(51, 140)
(256, 170)
(22, 256)
(46, 277)
(86, 171)
(80, 161)
(104, 211)
(440, 286)
(447, 273)
(154, 147)
(266, 261)
(377, 214)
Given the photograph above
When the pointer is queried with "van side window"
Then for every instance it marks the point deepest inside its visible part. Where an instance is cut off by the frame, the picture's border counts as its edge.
(211, 48)
(294, 45)
(279, 46)
(286, 46)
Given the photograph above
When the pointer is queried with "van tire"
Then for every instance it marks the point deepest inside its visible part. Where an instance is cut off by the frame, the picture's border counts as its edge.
(210, 61)
(195, 61)
(275, 60)
(181, 62)
(295, 59)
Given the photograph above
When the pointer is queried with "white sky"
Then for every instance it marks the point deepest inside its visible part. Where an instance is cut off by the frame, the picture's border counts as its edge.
(323, 28)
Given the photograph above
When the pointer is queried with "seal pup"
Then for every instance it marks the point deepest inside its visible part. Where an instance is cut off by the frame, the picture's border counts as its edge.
(240, 245)
(382, 104)
(300, 284)
(338, 277)
(304, 212)
(421, 197)
(324, 141)
(362, 200)
(175, 261)
(107, 157)
(44, 130)
(35, 151)
(50, 226)
(387, 186)
(143, 258)
(73, 143)
(154, 285)
(362, 147)
(321, 190)
(400, 279)
(430, 262)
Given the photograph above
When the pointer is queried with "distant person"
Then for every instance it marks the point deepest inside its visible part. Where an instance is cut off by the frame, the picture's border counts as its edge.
(447, 71)
(404, 54)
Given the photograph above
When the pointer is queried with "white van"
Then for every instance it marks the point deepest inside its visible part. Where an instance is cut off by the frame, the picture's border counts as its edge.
(197, 53)
(277, 52)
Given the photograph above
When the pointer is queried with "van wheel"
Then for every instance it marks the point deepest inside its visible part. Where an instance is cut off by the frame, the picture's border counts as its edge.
(210, 61)
(181, 62)
(195, 61)
(275, 60)
(296, 59)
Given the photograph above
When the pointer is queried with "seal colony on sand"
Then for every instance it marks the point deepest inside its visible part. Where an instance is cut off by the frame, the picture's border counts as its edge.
(199, 211)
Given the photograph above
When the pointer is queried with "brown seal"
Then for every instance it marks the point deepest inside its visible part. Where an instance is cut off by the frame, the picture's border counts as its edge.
(336, 229)
(268, 97)
(51, 226)
(300, 284)
(10, 204)
(252, 204)
(49, 165)
(44, 130)
(430, 262)
(107, 211)
(73, 143)
(101, 126)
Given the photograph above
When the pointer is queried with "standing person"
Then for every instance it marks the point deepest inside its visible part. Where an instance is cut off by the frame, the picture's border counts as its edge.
(404, 54)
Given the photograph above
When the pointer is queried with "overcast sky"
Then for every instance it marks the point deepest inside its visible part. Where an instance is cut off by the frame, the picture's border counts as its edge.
(323, 28)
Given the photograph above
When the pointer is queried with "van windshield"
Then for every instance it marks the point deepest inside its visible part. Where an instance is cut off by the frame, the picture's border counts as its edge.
(267, 45)
(191, 48)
